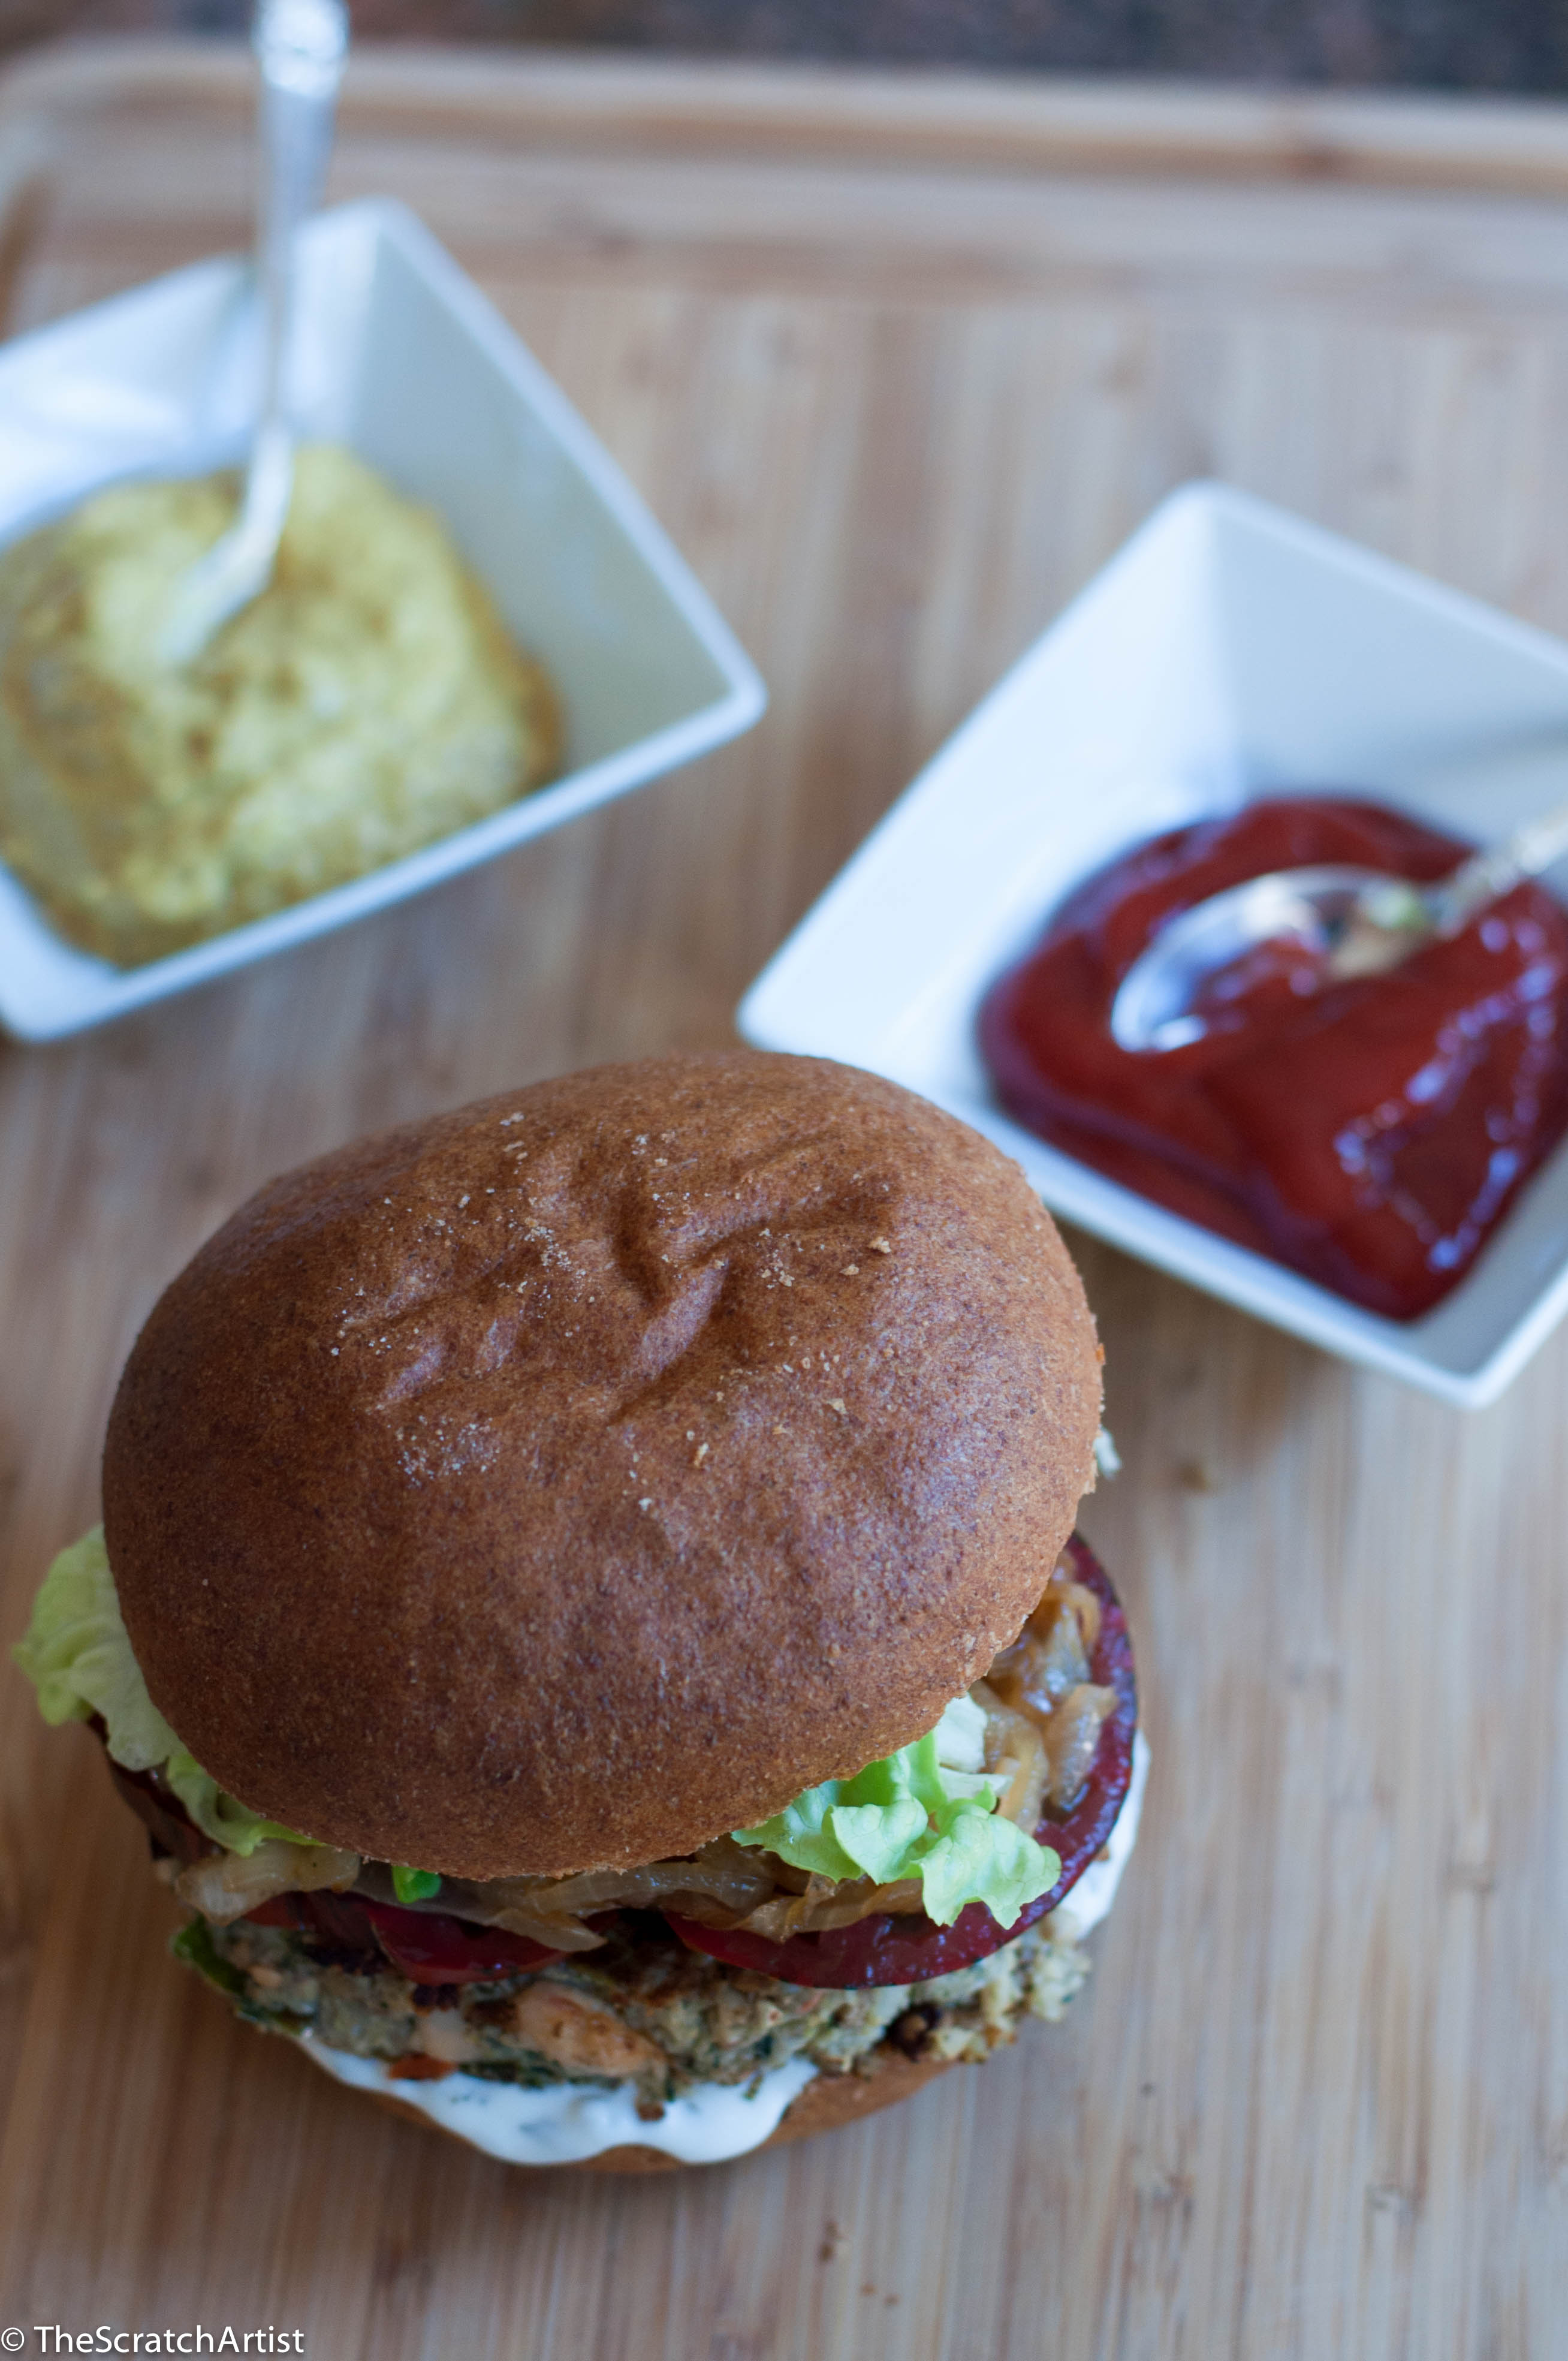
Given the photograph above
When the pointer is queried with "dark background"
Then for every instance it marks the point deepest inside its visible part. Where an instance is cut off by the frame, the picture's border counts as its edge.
(1495, 45)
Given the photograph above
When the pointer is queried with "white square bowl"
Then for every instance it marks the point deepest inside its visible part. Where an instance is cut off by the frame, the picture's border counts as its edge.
(398, 354)
(1230, 652)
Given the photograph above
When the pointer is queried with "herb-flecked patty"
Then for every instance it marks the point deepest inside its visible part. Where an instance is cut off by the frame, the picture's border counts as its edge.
(646, 2012)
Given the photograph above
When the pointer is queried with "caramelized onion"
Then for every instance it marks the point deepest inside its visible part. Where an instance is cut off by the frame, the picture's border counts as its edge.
(1047, 1660)
(829, 1903)
(1042, 1683)
(1086, 1607)
(1074, 1738)
(1014, 1744)
(565, 1933)
(718, 1887)
(225, 1886)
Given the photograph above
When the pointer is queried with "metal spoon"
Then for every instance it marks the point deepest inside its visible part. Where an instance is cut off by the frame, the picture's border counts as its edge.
(1354, 921)
(299, 46)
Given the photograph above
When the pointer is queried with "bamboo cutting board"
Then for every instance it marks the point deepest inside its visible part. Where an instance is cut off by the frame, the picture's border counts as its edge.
(899, 360)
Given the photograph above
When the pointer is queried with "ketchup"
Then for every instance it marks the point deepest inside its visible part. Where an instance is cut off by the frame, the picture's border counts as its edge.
(1370, 1135)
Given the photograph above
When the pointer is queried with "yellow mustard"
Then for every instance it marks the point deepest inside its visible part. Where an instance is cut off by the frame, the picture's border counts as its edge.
(368, 702)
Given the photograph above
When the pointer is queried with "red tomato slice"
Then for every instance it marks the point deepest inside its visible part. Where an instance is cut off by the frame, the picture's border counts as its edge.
(910, 1949)
(426, 1946)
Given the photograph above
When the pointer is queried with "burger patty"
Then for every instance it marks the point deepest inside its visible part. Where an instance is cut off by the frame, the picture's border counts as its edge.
(645, 2010)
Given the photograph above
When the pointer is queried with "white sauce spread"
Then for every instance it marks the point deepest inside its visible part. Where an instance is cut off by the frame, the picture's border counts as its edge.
(566, 2122)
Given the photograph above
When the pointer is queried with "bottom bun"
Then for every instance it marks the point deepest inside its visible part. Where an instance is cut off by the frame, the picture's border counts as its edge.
(825, 2104)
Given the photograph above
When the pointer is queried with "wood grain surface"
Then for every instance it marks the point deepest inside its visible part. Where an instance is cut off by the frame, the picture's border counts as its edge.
(900, 364)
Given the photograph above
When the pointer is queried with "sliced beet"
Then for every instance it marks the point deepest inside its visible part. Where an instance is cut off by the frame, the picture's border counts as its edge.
(426, 1946)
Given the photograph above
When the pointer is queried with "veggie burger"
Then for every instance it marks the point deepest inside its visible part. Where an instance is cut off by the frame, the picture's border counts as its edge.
(587, 1609)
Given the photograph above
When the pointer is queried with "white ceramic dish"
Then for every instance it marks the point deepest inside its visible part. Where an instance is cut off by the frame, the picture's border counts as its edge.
(401, 357)
(1229, 652)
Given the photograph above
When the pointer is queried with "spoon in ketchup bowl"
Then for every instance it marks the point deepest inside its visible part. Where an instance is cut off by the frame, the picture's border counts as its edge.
(1334, 922)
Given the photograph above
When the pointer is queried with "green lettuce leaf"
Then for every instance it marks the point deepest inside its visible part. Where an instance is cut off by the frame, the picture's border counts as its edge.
(979, 1856)
(928, 1811)
(78, 1658)
(414, 1884)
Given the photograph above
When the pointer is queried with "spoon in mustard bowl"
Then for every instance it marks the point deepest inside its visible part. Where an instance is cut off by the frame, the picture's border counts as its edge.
(1349, 922)
(299, 46)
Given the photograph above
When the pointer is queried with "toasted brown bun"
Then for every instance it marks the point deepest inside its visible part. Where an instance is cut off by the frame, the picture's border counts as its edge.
(831, 2100)
(569, 1479)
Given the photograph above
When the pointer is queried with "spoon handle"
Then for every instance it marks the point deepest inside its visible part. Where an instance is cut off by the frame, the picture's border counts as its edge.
(1487, 875)
(300, 47)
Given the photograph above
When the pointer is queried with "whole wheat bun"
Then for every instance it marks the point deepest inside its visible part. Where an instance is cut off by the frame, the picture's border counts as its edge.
(566, 1480)
(825, 2105)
